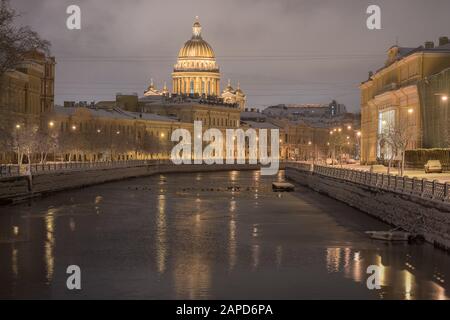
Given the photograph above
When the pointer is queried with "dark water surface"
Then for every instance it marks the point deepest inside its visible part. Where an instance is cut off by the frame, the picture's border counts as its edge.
(193, 236)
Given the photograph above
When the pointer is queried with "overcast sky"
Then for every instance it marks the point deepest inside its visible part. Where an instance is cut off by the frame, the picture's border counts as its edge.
(281, 51)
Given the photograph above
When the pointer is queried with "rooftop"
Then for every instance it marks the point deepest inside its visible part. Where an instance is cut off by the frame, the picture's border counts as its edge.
(113, 113)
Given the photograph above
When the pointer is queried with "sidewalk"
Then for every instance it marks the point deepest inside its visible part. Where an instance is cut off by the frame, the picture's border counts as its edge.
(441, 177)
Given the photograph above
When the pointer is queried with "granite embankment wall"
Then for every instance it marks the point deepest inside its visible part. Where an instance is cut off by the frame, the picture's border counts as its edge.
(427, 217)
(13, 189)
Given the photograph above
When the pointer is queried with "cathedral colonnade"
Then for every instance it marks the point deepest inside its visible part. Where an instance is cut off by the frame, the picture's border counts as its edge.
(194, 84)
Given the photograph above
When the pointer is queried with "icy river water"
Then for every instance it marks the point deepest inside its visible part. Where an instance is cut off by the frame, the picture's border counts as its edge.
(222, 235)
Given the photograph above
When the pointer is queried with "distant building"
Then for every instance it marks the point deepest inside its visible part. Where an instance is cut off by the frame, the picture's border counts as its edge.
(335, 108)
(301, 111)
(234, 96)
(399, 93)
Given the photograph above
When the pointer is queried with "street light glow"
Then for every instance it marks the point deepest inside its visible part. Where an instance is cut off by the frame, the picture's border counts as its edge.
(51, 124)
(17, 126)
(444, 98)
(349, 127)
(74, 127)
(411, 110)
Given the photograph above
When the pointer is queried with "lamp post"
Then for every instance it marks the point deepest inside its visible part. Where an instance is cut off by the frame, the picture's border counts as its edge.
(52, 139)
(16, 131)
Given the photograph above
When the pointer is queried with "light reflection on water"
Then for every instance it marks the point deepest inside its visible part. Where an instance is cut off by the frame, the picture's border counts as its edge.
(395, 276)
(193, 236)
(49, 245)
(161, 239)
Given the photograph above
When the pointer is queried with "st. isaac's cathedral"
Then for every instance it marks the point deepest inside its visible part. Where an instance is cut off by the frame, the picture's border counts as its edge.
(197, 74)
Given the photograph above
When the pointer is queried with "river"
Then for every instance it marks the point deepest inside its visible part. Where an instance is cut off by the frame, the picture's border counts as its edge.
(222, 235)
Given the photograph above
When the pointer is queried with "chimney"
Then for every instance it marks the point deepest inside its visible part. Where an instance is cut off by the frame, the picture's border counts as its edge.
(429, 45)
(443, 41)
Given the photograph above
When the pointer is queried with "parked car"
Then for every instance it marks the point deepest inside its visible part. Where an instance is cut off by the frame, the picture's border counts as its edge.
(433, 166)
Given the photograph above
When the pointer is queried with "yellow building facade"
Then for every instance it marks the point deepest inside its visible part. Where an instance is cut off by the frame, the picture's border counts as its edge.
(28, 90)
(391, 96)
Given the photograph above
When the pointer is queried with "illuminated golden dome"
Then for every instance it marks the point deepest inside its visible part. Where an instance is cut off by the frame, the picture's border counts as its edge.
(196, 71)
(196, 47)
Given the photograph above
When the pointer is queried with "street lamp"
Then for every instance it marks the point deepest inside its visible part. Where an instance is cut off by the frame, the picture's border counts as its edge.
(411, 111)
(74, 127)
(51, 124)
(444, 98)
(349, 127)
(18, 126)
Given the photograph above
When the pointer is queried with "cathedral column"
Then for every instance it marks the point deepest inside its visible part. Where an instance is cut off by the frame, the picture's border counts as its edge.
(197, 85)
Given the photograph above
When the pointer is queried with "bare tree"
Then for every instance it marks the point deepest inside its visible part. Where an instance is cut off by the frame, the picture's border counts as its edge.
(16, 41)
(25, 143)
(46, 143)
(337, 143)
(398, 137)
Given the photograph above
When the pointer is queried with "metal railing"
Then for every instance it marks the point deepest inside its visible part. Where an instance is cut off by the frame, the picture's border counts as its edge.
(422, 188)
(9, 170)
(38, 168)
